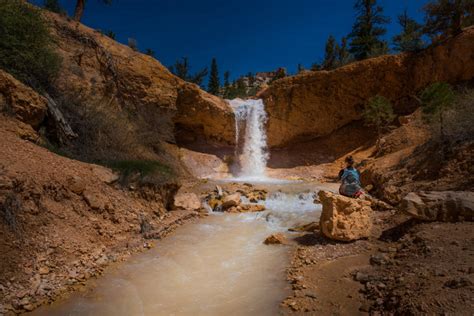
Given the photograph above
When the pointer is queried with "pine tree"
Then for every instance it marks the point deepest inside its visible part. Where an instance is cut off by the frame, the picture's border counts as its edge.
(251, 79)
(330, 54)
(181, 69)
(316, 66)
(150, 52)
(448, 17)
(227, 79)
(435, 100)
(367, 30)
(110, 34)
(343, 56)
(214, 84)
(410, 39)
(279, 74)
(300, 68)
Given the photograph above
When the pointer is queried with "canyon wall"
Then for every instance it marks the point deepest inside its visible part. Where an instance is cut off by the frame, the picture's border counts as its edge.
(315, 104)
(101, 73)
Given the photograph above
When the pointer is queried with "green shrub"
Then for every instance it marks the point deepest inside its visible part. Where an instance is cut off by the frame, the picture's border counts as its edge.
(435, 100)
(148, 171)
(26, 45)
(378, 112)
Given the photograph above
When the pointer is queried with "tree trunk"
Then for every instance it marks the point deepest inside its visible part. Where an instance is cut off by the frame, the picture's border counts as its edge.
(79, 10)
(64, 131)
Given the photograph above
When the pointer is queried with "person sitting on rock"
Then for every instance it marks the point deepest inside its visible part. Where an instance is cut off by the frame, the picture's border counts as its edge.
(350, 180)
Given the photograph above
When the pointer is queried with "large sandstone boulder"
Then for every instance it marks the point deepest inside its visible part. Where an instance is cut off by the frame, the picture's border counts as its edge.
(344, 218)
(21, 101)
(314, 104)
(187, 201)
(439, 206)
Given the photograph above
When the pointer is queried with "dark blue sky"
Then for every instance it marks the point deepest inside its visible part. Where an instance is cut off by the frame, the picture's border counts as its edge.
(244, 35)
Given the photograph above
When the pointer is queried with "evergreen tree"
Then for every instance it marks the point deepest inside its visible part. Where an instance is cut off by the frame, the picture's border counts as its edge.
(181, 69)
(241, 88)
(227, 79)
(53, 6)
(367, 30)
(378, 112)
(214, 84)
(330, 54)
(343, 56)
(150, 52)
(448, 17)
(315, 66)
(110, 34)
(410, 39)
(280, 73)
(227, 85)
(435, 100)
(251, 79)
(300, 68)
(198, 77)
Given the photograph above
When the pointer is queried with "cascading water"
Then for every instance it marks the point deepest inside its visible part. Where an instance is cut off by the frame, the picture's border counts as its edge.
(251, 147)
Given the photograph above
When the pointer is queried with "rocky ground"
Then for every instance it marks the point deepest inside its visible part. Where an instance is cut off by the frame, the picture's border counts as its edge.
(412, 268)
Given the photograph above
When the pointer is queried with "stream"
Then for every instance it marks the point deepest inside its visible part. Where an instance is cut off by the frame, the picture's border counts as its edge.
(217, 266)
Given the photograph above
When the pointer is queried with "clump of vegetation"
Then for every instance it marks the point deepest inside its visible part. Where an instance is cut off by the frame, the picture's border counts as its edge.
(435, 100)
(214, 85)
(447, 17)
(53, 6)
(26, 46)
(368, 29)
(410, 39)
(149, 171)
(181, 68)
(8, 211)
(378, 112)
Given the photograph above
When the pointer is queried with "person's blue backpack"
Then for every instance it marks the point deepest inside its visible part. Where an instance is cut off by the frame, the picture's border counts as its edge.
(350, 176)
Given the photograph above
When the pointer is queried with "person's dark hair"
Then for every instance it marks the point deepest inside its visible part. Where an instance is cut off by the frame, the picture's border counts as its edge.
(350, 160)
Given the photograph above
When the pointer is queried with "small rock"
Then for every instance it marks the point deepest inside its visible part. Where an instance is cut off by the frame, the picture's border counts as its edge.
(43, 270)
(379, 259)
(458, 283)
(361, 277)
(275, 239)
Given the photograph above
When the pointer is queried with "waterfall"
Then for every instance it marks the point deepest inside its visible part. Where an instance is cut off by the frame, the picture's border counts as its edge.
(251, 146)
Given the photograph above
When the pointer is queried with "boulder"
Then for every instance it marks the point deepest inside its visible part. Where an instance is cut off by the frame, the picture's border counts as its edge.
(344, 218)
(276, 239)
(230, 201)
(21, 101)
(187, 201)
(439, 206)
(94, 199)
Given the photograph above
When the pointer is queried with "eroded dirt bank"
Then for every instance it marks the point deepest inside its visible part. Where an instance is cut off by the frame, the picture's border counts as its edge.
(64, 221)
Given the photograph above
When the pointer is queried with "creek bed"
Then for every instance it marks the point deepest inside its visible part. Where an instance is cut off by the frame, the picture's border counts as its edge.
(217, 266)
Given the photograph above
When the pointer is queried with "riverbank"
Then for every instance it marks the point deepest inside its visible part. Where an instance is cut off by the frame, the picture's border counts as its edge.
(407, 267)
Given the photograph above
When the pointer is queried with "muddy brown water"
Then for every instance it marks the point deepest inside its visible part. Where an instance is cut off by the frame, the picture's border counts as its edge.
(217, 266)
